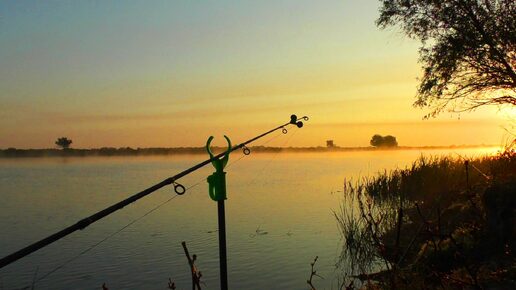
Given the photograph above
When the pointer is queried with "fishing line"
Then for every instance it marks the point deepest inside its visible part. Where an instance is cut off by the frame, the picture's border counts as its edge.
(105, 239)
(179, 189)
(274, 157)
(261, 145)
(112, 235)
(276, 136)
(233, 162)
(136, 220)
(435, 207)
(474, 167)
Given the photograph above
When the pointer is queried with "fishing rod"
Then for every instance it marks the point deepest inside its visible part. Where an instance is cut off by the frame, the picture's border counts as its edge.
(178, 188)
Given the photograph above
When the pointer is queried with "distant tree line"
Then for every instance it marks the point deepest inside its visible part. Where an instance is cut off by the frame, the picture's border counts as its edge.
(128, 151)
(104, 151)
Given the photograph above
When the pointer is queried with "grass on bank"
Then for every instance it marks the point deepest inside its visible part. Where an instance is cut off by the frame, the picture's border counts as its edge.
(443, 223)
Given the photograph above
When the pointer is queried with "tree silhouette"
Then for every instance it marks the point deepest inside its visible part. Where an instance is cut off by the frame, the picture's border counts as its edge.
(63, 142)
(381, 141)
(376, 141)
(390, 141)
(468, 50)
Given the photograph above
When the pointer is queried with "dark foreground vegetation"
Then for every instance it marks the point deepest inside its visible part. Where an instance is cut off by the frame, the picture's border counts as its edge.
(444, 223)
(128, 151)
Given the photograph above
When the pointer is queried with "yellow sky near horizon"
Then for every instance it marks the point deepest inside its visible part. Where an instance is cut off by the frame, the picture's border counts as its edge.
(172, 74)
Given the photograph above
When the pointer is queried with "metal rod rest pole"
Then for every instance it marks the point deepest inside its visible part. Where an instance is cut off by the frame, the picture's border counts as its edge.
(222, 246)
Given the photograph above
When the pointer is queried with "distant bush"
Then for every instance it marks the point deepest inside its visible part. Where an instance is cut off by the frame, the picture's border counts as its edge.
(383, 141)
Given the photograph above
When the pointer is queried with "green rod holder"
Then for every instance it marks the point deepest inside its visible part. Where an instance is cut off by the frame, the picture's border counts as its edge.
(217, 192)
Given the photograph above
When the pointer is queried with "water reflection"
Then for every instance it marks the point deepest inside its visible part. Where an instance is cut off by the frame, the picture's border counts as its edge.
(278, 218)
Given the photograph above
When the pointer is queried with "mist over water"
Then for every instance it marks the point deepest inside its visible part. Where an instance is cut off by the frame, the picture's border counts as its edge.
(278, 214)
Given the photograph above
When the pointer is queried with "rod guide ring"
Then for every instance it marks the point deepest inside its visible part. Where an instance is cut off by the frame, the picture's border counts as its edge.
(179, 189)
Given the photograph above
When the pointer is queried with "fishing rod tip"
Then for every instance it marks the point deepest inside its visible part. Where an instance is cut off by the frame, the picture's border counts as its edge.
(294, 120)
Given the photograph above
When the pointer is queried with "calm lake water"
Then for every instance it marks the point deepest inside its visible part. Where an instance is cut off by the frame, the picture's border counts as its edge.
(278, 213)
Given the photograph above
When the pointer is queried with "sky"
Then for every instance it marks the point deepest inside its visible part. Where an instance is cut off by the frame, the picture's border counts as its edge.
(172, 73)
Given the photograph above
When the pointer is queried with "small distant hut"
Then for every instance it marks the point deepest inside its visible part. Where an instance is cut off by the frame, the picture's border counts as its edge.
(330, 144)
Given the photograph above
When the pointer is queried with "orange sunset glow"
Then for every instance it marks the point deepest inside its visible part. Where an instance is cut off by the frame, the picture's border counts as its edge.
(256, 145)
(147, 76)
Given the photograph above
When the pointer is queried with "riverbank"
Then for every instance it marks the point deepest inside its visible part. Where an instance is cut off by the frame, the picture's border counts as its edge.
(128, 151)
(442, 223)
